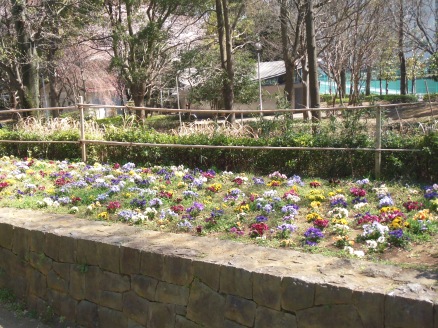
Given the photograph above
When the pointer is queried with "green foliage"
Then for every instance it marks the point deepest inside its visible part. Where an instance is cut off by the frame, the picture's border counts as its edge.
(397, 99)
(433, 97)
(329, 99)
(351, 130)
(207, 79)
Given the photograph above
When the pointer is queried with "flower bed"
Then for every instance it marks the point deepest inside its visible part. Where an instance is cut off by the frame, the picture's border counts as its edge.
(349, 218)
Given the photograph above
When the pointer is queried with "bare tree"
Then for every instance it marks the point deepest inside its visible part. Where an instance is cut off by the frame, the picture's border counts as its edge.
(143, 35)
(292, 16)
(224, 30)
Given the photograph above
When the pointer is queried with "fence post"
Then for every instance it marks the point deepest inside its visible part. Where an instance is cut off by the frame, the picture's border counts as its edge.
(82, 121)
(378, 143)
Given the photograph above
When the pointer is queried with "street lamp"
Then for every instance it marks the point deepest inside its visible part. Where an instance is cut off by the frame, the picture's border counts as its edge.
(258, 48)
(176, 62)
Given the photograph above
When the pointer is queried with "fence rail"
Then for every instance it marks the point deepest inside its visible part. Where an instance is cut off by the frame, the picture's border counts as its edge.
(82, 142)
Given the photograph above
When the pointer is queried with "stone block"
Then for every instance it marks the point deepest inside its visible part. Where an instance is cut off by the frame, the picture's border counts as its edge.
(56, 282)
(67, 250)
(15, 274)
(177, 270)
(20, 243)
(267, 290)
(339, 316)
(77, 282)
(37, 241)
(435, 315)
(86, 252)
(62, 270)
(87, 314)
(206, 306)
(144, 286)
(136, 308)
(370, 307)
(296, 294)
(6, 235)
(172, 294)
(181, 310)
(330, 294)
(405, 312)
(92, 283)
(111, 318)
(236, 281)
(240, 310)
(111, 300)
(129, 260)
(108, 257)
(36, 283)
(62, 304)
(161, 315)
(36, 304)
(275, 319)
(133, 324)
(232, 324)
(152, 264)
(40, 262)
(114, 282)
(182, 322)
(208, 273)
(51, 246)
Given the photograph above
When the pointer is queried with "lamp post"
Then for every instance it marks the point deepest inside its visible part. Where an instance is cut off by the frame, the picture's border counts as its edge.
(176, 62)
(258, 48)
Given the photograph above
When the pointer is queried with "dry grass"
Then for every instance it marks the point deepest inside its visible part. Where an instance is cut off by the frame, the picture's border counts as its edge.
(211, 128)
(47, 126)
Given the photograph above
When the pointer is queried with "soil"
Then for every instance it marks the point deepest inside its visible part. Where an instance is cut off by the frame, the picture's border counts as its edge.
(11, 319)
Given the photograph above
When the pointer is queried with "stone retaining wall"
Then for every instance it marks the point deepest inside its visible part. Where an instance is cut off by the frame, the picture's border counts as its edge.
(97, 274)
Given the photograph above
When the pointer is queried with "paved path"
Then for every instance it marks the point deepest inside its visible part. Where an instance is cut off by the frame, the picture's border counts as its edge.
(9, 319)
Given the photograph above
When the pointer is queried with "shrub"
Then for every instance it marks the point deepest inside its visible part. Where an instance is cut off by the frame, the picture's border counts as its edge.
(397, 99)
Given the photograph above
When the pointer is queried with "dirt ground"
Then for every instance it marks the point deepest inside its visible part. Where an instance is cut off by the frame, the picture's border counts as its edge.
(11, 319)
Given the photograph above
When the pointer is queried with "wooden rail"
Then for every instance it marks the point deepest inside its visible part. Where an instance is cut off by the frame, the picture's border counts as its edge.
(83, 141)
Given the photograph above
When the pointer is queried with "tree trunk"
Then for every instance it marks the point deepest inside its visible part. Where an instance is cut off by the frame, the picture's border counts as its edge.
(53, 82)
(436, 25)
(225, 46)
(368, 82)
(401, 54)
(289, 91)
(27, 56)
(343, 88)
(380, 85)
(387, 87)
(313, 62)
(305, 75)
(138, 92)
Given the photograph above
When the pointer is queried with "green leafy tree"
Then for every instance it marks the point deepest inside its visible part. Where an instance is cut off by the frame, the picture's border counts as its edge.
(203, 73)
(415, 67)
(387, 66)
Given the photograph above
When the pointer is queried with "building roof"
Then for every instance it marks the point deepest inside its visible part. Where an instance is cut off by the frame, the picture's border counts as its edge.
(271, 69)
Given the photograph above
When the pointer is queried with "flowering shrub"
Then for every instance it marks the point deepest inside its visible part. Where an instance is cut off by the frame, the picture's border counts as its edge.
(321, 223)
(258, 229)
(312, 236)
(180, 199)
(315, 184)
(358, 192)
(397, 238)
(412, 206)
(284, 231)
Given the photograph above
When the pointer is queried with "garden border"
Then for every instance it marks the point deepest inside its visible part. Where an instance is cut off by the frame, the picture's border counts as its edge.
(97, 274)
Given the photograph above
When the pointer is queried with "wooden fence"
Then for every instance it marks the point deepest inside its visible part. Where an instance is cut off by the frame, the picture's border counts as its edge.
(81, 107)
